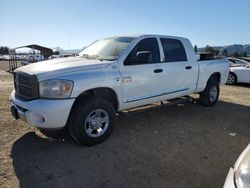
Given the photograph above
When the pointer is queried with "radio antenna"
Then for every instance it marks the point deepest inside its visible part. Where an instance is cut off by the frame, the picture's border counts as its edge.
(69, 40)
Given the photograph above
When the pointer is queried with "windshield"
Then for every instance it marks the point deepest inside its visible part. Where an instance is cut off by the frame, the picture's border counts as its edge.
(107, 49)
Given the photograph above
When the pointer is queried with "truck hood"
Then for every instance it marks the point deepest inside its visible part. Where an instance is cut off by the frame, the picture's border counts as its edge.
(63, 65)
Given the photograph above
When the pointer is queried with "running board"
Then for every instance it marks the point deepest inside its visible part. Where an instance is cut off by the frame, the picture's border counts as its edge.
(158, 105)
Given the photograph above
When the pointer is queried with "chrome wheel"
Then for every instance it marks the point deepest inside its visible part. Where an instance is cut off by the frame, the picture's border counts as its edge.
(231, 79)
(96, 123)
(213, 94)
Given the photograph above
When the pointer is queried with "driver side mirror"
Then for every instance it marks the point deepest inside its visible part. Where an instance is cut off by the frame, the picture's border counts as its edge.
(141, 57)
(144, 56)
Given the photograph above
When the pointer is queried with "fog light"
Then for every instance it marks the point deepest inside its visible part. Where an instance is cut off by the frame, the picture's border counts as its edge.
(35, 119)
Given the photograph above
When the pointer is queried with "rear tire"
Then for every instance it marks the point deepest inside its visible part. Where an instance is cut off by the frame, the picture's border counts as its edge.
(232, 79)
(91, 121)
(210, 95)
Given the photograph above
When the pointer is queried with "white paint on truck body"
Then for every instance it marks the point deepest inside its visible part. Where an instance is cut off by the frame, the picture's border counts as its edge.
(134, 85)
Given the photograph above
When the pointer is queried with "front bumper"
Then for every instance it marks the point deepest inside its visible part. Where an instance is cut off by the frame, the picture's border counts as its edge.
(42, 113)
(229, 183)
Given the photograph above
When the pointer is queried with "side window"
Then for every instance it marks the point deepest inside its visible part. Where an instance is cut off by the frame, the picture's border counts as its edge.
(173, 50)
(145, 52)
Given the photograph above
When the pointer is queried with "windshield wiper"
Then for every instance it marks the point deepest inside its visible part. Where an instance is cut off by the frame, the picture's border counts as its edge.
(102, 59)
(97, 57)
(87, 56)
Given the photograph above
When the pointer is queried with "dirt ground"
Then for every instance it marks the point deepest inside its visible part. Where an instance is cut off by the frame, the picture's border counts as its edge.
(182, 146)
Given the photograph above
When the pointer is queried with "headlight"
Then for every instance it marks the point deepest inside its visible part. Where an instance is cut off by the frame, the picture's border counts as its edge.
(242, 173)
(55, 88)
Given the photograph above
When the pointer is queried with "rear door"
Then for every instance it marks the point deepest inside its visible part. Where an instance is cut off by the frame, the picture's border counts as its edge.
(138, 78)
(179, 74)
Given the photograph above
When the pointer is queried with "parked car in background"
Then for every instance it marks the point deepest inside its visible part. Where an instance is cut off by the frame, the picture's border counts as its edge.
(239, 71)
(82, 94)
(24, 63)
(246, 58)
(239, 175)
(235, 61)
(6, 57)
(31, 58)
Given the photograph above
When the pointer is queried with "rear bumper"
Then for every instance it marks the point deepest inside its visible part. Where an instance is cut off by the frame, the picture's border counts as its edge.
(43, 113)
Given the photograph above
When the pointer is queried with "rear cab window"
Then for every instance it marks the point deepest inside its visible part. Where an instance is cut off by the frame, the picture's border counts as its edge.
(173, 50)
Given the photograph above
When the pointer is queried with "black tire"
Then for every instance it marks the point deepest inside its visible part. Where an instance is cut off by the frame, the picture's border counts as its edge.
(55, 134)
(77, 123)
(210, 95)
(232, 79)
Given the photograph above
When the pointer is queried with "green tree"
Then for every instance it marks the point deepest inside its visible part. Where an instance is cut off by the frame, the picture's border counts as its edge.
(225, 52)
(4, 50)
(195, 48)
(216, 52)
(211, 50)
(236, 54)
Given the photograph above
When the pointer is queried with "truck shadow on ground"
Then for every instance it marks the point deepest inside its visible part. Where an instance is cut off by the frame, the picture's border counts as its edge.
(181, 146)
(243, 85)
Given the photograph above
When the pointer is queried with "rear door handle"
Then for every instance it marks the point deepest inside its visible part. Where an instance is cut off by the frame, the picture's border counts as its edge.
(188, 67)
(158, 70)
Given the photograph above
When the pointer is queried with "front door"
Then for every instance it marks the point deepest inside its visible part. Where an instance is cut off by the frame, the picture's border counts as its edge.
(138, 76)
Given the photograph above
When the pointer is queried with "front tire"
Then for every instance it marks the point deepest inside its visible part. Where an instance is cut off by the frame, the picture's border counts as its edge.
(91, 121)
(210, 95)
(232, 79)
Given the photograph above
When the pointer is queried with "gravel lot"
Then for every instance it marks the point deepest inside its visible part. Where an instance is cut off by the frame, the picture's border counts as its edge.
(182, 146)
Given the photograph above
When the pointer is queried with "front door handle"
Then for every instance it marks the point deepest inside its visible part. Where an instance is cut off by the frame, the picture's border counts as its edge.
(158, 70)
(188, 67)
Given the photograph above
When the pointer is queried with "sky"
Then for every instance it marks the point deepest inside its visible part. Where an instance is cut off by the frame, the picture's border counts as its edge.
(73, 24)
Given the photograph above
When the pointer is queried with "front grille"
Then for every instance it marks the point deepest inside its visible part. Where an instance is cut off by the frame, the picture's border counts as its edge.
(26, 86)
(27, 91)
(22, 79)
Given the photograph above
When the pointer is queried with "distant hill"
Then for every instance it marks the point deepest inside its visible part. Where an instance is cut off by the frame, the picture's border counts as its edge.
(231, 49)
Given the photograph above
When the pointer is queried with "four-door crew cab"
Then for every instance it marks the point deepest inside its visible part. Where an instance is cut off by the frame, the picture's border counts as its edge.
(82, 94)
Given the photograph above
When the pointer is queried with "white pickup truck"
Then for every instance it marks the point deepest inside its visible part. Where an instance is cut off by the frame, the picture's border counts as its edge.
(82, 94)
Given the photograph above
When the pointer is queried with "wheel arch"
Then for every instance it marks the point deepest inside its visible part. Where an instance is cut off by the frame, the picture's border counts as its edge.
(215, 76)
(101, 92)
(236, 76)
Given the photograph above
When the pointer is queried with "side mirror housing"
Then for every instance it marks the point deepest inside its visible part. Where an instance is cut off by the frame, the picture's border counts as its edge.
(144, 56)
